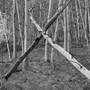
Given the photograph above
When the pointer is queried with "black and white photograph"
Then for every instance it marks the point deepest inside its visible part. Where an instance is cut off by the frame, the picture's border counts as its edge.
(44, 44)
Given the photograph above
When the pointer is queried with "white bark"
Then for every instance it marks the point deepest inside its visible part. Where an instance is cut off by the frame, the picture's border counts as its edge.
(86, 20)
(25, 33)
(46, 43)
(20, 31)
(14, 32)
(83, 25)
(77, 14)
(4, 21)
(65, 28)
(55, 35)
(89, 17)
(25, 29)
(68, 30)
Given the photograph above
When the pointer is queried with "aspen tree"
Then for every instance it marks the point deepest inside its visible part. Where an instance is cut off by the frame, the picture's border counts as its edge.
(25, 33)
(77, 14)
(74, 24)
(89, 17)
(83, 24)
(7, 41)
(14, 33)
(55, 34)
(86, 21)
(46, 43)
(65, 28)
(19, 22)
(68, 30)
(40, 12)
(4, 21)
(25, 28)
(3, 30)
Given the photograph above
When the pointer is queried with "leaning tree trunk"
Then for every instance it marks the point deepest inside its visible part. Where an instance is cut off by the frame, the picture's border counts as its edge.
(14, 33)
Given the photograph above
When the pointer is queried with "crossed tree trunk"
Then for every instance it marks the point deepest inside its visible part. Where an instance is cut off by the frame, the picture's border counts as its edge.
(35, 42)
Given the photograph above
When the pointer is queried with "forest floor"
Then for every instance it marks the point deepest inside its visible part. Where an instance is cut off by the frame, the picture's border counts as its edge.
(40, 75)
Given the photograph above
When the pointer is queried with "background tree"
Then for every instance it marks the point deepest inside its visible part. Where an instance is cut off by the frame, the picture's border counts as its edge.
(88, 15)
(38, 69)
(55, 33)
(82, 19)
(87, 23)
(46, 44)
(68, 30)
(77, 21)
(14, 32)
(4, 20)
(65, 28)
(20, 28)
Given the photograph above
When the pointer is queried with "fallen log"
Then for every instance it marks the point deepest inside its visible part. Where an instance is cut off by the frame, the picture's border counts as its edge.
(35, 43)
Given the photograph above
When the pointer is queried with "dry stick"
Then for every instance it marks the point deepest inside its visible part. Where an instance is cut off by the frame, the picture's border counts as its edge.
(69, 57)
(35, 42)
(83, 24)
(46, 43)
(55, 36)
(20, 31)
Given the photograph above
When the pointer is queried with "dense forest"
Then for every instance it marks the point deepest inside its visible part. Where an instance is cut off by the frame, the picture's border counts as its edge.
(44, 44)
